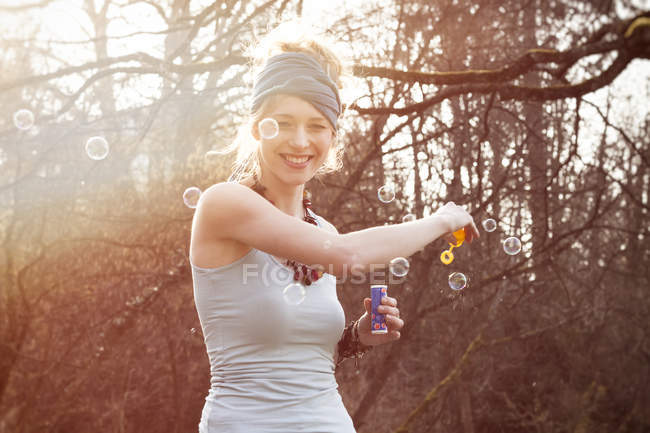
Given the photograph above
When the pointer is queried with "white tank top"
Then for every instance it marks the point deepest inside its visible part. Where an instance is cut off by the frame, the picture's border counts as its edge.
(271, 363)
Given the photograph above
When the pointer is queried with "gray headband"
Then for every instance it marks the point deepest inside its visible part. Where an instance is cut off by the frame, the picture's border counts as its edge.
(300, 75)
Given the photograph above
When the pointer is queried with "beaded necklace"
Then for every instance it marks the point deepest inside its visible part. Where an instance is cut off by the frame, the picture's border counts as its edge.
(301, 272)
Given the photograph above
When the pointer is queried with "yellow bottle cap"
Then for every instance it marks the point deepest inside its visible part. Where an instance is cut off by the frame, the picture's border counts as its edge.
(460, 237)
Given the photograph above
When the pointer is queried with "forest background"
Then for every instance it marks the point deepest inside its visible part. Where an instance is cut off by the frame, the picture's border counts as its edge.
(534, 113)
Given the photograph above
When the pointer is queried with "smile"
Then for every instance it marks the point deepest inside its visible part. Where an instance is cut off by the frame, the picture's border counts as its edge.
(298, 160)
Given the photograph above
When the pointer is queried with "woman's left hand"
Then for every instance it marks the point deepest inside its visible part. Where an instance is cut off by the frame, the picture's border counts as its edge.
(393, 322)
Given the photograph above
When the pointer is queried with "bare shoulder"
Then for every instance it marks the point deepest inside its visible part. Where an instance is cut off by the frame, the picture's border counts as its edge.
(226, 201)
(223, 191)
(219, 205)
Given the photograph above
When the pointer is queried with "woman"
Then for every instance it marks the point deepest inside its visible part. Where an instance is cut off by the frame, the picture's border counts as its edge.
(272, 362)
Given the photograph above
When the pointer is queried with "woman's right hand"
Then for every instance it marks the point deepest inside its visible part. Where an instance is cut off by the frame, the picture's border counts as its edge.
(456, 218)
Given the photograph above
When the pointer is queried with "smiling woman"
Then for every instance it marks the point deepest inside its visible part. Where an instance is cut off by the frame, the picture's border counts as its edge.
(257, 246)
(303, 141)
(274, 86)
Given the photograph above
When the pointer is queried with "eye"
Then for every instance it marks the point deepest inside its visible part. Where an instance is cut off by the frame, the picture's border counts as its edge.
(316, 126)
(283, 124)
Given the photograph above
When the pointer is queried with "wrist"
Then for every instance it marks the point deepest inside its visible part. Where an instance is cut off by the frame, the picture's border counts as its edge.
(349, 346)
(442, 223)
(357, 335)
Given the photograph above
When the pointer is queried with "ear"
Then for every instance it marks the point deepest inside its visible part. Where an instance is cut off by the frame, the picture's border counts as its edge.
(255, 131)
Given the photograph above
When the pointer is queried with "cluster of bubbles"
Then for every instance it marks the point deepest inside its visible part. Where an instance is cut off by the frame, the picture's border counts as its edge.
(511, 246)
(268, 129)
(96, 147)
(457, 280)
(399, 266)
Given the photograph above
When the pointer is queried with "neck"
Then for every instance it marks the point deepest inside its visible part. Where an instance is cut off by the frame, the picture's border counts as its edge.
(287, 198)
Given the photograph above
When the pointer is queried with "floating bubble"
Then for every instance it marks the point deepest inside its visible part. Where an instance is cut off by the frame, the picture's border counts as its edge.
(512, 246)
(97, 148)
(408, 218)
(268, 128)
(23, 119)
(386, 194)
(294, 293)
(399, 266)
(193, 331)
(457, 281)
(489, 225)
(191, 197)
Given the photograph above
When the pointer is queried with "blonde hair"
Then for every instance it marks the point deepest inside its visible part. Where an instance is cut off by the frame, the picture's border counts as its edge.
(293, 36)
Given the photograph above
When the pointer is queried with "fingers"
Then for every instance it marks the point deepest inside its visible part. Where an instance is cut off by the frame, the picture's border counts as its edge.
(471, 232)
(385, 309)
(394, 323)
(475, 233)
(389, 308)
(387, 300)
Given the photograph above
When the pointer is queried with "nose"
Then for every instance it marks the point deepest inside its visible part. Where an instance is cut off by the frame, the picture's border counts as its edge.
(300, 139)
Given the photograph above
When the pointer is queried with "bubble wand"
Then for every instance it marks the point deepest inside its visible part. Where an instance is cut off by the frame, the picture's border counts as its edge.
(447, 256)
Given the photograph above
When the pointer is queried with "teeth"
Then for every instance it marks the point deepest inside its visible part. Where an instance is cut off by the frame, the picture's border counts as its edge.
(296, 160)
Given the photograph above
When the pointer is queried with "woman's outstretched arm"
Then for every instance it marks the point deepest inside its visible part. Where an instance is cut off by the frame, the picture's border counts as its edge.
(234, 211)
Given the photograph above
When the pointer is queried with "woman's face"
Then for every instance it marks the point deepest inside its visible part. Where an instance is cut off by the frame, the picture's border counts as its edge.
(302, 144)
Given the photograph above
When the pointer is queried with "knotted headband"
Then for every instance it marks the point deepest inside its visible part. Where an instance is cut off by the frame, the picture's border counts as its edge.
(300, 75)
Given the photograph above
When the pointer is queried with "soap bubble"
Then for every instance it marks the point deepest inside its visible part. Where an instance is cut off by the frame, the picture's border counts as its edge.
(23, 119)
(191, 197)
(408, 218)
(386, 194)
(399, 266)
(97, 148)
(268, 128)
(294, 293)
(512, 246)
(489, 225)
(457, 281)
